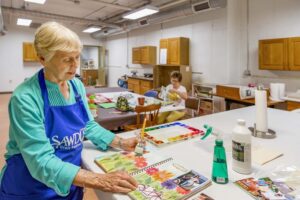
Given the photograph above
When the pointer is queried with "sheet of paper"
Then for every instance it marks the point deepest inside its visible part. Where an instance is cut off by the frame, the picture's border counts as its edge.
(263, 155)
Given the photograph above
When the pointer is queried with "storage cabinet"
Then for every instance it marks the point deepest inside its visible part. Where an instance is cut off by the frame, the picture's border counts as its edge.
(29, 53)
(162, 75)
(177, 50)
(138, 85)
(144, 55)
(294, 53)
(279, 54)
(89, 76)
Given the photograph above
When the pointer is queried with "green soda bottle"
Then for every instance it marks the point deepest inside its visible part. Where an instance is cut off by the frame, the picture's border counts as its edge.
(219, 169)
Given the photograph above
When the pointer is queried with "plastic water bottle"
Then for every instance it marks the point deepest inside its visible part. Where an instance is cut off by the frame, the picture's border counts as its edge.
(219, 171)
(241, 148)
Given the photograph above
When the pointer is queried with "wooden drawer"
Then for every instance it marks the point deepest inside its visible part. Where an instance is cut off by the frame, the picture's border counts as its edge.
(207, 105)
(228, 92)
(133, 81)
(148, 84)
(292, 105)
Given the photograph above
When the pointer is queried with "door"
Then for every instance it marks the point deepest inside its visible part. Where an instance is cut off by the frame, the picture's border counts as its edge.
(136, 55)
(273, 54)
(294, 53)
(173, 51)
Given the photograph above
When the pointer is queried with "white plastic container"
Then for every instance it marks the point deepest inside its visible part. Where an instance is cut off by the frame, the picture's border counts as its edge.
(241, 148)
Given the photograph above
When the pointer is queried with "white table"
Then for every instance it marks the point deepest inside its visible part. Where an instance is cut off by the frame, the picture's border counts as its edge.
(197, 155)
(134, 100)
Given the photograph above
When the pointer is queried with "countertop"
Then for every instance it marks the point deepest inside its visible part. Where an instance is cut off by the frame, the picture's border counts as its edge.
(141, 77)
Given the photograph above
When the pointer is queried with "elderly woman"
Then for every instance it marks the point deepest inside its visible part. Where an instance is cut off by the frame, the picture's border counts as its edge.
(49, 117)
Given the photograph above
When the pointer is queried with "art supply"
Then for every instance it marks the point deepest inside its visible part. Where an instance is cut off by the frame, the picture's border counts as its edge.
(141, 145)
(263, 155)
(219, 169)
(170, 133)
(261, 119)
(241, 148)
(141, 101)
(107, 105)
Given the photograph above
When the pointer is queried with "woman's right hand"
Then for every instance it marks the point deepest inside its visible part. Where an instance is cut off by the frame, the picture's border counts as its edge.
(116, 182)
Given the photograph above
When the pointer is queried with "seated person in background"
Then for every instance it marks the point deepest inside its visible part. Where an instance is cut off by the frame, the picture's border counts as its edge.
(177, 93)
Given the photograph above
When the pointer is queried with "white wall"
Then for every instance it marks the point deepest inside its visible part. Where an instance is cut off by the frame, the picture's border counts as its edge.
(208, 46)
(13, 70)
(273, 19)
(218, 42)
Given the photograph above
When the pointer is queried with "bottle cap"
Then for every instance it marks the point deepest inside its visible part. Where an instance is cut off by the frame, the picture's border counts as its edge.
(241, 122)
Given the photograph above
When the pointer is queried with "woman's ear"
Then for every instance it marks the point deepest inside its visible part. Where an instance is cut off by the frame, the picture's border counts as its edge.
(42, 60)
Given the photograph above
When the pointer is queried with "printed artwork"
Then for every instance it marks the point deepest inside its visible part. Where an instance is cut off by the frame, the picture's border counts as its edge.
(167, 183)
(169, 133)
(266, 189)
(202, 196)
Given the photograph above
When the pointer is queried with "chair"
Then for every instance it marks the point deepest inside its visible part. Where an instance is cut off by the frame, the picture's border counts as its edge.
(150, 111)
(151, 93)
(192, 105)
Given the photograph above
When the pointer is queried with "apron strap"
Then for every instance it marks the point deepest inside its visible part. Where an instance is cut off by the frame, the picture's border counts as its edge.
(77, 95)
(43, 88)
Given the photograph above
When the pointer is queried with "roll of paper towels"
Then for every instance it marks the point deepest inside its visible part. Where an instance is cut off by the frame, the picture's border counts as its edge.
(261, 110)
(277, 91)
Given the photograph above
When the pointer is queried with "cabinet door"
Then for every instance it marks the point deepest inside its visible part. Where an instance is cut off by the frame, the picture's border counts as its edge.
(163, 44)
(134, 84)
(273, 54)
(294, 53)
(29, 53)
(136, 55)
(173, 51)
(144, 55)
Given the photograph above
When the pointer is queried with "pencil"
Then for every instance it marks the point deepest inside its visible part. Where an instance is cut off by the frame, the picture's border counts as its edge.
(143, 129)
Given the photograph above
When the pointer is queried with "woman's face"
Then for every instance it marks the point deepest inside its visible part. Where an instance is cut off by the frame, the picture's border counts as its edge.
(175, 82)
(63, 65)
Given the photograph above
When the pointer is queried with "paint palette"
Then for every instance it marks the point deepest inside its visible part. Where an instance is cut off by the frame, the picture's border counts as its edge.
(170, 133)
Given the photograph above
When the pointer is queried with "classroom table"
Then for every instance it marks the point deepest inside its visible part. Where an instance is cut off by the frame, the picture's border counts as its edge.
(196, 154)
(110, 118)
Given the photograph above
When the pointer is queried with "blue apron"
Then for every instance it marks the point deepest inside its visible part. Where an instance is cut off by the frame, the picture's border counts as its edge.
(64, 127)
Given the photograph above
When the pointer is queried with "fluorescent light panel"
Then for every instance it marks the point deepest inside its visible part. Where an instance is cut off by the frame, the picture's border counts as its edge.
(36, 1)
(141, 12)
(91, 29)
(24, 22)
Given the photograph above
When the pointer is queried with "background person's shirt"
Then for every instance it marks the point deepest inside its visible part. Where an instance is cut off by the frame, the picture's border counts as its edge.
(27, 134)
(181, 89)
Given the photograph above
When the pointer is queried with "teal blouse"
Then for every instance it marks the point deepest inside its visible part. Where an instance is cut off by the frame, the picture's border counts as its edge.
(27, 133)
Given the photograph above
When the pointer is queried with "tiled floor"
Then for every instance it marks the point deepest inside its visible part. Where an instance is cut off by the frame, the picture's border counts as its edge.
(4, 124)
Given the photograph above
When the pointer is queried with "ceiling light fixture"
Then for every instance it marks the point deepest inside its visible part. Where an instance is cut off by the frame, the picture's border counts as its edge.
(36, 1)
(141, 12)
(91, 29)
(24, 22)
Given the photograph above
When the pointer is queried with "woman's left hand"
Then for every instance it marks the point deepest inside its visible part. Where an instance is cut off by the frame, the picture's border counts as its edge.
(129, 144)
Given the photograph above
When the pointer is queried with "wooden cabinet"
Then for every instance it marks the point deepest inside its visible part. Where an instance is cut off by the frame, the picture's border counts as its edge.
(144, 55)
(292, 105)
(273, 54)
(29, 53)
(139, 86)
(279, 54)
(294, 53)
(162, 75)
(89, 76)
(177, 50)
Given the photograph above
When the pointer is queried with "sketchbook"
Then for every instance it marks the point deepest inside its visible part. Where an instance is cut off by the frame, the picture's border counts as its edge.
(158, 177)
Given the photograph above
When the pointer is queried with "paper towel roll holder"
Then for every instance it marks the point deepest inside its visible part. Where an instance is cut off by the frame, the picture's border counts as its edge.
(265, 135)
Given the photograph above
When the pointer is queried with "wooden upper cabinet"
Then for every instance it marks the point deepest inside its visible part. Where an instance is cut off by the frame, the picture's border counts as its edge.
(144, 55)
(29, 53)
(294, 53)
(177, 50)
(136, 55)
(273, 54)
